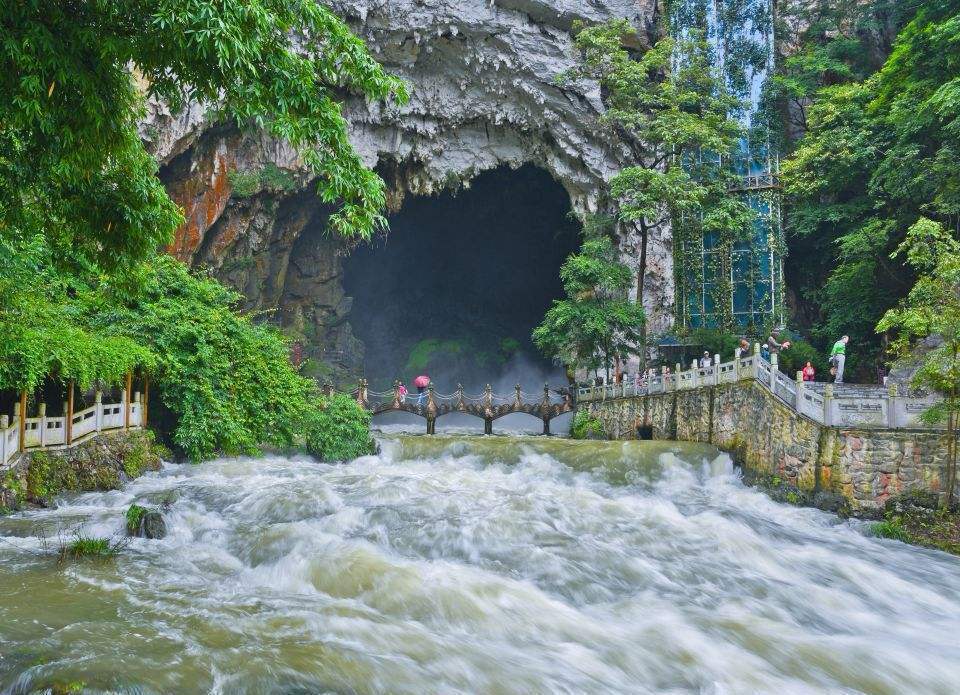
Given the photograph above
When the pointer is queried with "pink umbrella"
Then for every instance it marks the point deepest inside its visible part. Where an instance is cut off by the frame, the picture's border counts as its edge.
(422, 381)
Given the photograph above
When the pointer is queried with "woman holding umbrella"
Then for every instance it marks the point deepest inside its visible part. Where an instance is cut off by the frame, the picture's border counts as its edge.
(421, 382)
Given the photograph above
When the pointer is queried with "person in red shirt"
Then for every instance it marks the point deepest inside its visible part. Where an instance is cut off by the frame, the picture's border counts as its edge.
(809, 372)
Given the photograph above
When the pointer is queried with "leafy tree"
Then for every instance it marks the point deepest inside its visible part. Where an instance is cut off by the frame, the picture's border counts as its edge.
(73, 76)
(932, 308)
(225, 383)
(82, 213)
(596, 321)
(338, 430)
(671, 109)
(875, 159)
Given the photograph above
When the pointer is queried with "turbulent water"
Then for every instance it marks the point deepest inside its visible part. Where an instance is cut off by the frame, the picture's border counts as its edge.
(475, 565)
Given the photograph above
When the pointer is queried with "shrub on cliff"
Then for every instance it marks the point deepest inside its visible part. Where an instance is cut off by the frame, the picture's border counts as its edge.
(585, 426)
(338, 430)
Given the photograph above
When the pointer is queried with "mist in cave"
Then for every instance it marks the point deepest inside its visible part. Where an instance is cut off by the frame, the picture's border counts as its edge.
(461, 280)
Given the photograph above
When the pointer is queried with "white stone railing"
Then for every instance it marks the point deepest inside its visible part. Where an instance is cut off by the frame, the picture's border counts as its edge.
(54, 432)
(839, 406)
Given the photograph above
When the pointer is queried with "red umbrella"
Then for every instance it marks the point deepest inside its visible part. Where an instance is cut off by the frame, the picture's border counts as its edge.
(422, 381)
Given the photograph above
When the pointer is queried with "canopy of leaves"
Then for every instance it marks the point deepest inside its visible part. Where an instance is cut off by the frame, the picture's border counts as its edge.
(226, 381)
(932, 308)
(596, 320)
(671, 108)
(879, 155)
(73, 76)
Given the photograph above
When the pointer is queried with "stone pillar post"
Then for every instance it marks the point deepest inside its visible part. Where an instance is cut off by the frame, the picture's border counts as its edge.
(42, 425)
(800, 387)
(892, 392)
(774, 368)
(756, 361)
(828, 405)
(488, 410)
(676, 377)
(664, 379)
(545, 409)
(4, 426)
(98, 409)
(716, 369)
(431, 410)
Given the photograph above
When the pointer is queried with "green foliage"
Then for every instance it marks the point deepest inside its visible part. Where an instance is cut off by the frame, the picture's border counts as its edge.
(891, 528)
(338, 430)
(596, 321)
(716, 342)
(932, 308)
(276, 179)
(801, 352)
(133, 517)
(38, 476)
(88, 547)
(243, 184)
(227, 381)
(679, 127)
(878, 154)
(585, 426)
(427, 350)
(72, 88)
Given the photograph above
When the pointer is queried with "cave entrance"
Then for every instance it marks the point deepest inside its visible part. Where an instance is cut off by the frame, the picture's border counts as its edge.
(461, 280)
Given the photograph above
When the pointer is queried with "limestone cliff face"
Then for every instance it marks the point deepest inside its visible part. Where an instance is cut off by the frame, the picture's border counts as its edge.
(483, 95)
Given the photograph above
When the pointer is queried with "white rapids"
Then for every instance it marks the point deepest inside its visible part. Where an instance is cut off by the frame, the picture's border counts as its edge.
(475, 565)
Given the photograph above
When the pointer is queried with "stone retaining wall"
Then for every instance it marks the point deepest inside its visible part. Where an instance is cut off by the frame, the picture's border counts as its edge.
(102, 463)
(766, 438)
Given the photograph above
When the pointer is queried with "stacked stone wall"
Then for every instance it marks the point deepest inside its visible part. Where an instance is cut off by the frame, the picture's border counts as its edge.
(767, 438)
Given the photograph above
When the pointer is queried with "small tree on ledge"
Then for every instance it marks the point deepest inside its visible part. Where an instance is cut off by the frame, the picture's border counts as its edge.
(596, 320)
(933, 309)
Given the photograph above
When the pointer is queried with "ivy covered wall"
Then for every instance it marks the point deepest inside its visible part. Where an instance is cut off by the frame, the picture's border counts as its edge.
(733, 279)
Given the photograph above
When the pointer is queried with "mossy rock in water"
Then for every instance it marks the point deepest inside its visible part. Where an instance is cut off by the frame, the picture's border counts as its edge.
(145, 523)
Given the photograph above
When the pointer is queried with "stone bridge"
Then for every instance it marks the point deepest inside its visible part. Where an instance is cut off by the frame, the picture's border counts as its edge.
(487, 406)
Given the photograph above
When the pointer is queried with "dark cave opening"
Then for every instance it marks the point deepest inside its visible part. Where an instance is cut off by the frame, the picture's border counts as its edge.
(461, 280)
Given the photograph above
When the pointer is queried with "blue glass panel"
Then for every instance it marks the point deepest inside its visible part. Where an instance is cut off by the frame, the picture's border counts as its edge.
(741, 264)
(741, 297)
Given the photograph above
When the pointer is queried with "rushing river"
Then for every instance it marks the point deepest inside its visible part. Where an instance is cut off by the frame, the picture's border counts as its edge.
(475, 565)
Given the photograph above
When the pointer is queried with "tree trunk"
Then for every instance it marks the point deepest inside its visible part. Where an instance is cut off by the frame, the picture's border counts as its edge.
(641, 275)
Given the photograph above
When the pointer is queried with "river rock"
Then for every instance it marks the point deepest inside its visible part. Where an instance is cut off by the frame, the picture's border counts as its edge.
(152, 526)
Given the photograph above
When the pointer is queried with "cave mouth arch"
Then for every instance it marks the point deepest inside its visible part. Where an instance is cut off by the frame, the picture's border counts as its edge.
(456, 287)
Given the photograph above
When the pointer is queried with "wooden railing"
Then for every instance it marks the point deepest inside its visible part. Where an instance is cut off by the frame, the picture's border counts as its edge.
(19, 434)
(840, 406)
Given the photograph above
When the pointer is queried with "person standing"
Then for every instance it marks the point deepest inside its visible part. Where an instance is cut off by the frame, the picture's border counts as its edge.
(421, 382)
(838, 356)
(809, 373)
(402, 393)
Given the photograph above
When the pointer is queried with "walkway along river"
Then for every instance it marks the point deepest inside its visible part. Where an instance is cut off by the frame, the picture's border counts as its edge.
(477, 565)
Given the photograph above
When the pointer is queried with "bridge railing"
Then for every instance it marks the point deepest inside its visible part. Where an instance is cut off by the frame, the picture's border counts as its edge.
(841, 406)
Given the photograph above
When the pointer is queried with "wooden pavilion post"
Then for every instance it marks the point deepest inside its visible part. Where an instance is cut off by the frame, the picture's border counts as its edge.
(69, 423)
(23, 420)
(126, 401)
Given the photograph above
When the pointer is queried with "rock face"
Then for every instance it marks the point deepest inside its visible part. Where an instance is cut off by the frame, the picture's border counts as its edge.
(483, 96)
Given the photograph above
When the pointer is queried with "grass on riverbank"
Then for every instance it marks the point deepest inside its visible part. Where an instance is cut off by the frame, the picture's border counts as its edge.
(938, 529)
